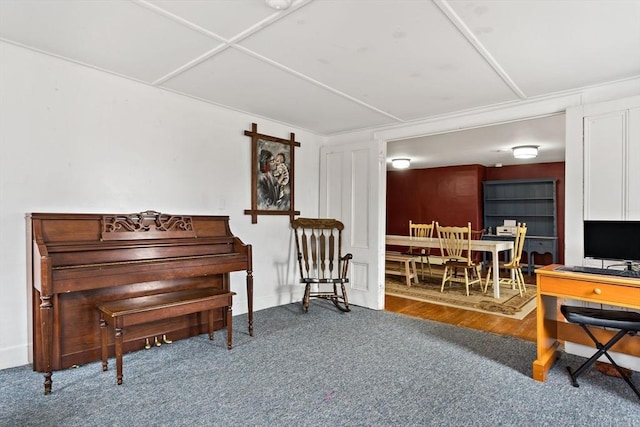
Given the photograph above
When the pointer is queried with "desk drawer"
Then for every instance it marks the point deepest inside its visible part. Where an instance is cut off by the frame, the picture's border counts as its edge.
(624, 296)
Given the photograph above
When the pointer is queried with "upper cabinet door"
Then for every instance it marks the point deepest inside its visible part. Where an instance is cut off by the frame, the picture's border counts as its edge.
(612, 160)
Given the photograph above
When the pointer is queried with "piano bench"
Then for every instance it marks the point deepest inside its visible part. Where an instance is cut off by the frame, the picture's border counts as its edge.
(135, 311)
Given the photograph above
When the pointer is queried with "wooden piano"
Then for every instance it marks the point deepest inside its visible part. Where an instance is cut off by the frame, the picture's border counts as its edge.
(77, 261)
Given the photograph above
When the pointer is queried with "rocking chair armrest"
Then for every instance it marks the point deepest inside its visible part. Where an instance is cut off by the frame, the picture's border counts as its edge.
(345, 265)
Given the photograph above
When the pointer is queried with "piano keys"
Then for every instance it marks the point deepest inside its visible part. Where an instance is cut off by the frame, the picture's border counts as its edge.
(78, 261)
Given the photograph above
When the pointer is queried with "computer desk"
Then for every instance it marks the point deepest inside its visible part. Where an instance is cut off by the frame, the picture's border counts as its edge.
(553, 287)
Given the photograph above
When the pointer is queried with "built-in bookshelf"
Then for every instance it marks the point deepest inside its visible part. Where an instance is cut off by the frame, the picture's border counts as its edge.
(530, 201)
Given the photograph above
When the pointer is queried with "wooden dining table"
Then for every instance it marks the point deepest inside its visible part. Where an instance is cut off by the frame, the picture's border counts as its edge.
(492, 246)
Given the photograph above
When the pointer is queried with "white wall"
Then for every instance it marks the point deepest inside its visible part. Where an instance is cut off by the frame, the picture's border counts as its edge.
(73, 139)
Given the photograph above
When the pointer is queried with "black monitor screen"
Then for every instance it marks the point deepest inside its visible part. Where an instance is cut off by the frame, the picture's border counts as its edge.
(614, 240)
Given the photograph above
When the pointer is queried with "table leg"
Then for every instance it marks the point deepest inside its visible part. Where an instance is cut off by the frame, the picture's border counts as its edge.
(496, 274)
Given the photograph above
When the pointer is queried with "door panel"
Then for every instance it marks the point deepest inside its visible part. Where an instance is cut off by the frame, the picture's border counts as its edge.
(350, 176)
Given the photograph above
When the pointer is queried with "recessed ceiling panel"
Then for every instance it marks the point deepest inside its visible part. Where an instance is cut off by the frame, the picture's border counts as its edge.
(235, 79)
(226, 18)
(551, 46)
(404, 57)
(119, 36)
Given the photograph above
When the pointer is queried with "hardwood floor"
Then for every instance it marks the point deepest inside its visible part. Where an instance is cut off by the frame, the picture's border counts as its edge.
(524, 329)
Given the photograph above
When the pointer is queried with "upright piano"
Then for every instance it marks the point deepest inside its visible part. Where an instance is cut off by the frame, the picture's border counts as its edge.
(78, 261)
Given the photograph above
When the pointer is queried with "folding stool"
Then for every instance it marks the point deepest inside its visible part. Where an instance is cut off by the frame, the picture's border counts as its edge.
(628, 322)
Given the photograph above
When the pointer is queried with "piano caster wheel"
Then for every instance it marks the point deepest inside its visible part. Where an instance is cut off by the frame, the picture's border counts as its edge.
(147, 344)
(165, 340)
(157, 341)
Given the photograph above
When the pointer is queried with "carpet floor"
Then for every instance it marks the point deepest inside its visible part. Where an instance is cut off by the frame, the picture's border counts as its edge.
(324, 368)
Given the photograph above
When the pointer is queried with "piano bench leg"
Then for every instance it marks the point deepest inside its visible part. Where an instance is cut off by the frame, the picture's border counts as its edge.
(119, 355)
(103, 344)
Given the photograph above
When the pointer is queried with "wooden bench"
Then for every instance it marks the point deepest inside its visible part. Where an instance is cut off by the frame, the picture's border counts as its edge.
(134, 311)
(408, 266)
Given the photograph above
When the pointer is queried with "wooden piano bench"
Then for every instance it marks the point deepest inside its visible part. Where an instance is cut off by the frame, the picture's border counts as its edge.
(134, 311)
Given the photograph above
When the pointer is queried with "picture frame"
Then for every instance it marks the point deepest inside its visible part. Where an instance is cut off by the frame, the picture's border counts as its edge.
(272, 175)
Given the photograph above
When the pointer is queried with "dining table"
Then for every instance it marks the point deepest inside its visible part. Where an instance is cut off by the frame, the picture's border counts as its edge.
(492, 246)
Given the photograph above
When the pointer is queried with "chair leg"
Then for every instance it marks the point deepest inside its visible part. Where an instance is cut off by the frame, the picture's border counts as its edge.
(520, 279)
(488, 279)
(466, 280)
(345, 300)
(444, 278)
(305, 299)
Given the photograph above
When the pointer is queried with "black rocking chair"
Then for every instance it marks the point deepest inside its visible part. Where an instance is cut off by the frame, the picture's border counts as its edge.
(628, 322)
(320, 260)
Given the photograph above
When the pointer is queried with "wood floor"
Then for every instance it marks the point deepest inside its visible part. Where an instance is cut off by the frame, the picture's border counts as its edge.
(524, 329)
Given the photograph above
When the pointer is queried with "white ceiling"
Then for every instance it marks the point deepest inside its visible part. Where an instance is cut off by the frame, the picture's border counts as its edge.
(334, 66)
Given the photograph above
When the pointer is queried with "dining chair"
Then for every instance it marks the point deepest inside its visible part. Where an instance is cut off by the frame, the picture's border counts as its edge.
(477, 257)
(422, 254)
(513, 266)
(455, 245)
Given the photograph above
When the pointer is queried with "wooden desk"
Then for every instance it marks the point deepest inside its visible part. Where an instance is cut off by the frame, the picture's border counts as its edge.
(493, 246)
(553, 287)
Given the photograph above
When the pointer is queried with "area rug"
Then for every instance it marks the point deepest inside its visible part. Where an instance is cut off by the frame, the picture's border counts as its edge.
(510, 304)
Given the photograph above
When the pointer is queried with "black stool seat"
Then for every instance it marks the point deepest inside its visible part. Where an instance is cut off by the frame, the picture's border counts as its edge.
(627, 321)
(606, 318)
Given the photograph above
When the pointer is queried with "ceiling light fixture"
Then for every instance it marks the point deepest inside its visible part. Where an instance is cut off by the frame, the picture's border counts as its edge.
(401, 163)
(278, 4)
(525, 151)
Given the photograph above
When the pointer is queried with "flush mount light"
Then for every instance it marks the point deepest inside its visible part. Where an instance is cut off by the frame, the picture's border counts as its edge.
(400, 163)
(278, 4)
(525, 151)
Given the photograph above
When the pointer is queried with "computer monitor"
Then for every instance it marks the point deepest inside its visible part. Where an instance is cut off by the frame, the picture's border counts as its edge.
(612, 240)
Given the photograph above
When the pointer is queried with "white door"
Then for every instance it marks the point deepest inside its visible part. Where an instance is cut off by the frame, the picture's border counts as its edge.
(351, 181)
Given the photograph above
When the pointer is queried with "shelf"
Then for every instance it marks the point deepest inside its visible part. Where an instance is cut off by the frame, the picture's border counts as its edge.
(511, 199)
(530, 201)
(510, 214)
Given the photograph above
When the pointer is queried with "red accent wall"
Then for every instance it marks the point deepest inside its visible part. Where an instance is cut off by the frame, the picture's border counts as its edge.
(453, 195)
(449, 195)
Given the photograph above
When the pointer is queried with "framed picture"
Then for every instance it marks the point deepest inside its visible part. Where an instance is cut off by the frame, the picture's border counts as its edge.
(272, 175)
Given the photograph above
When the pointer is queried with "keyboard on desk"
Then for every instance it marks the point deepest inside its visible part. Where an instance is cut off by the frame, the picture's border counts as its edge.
(633, 274)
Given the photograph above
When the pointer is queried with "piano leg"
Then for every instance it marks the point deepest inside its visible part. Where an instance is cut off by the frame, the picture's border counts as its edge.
(229, 327)
(249, 300)
(46, 317)
(210, 316)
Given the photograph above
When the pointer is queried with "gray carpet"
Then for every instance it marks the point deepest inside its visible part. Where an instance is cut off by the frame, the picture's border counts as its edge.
(364, 368)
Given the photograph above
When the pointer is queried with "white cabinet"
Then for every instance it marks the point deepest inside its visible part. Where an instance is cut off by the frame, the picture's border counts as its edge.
(612, 160)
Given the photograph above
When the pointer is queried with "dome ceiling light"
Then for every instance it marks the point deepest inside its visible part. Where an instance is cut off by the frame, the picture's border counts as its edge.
(278, 4)
(401, 163)
(525, 151)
